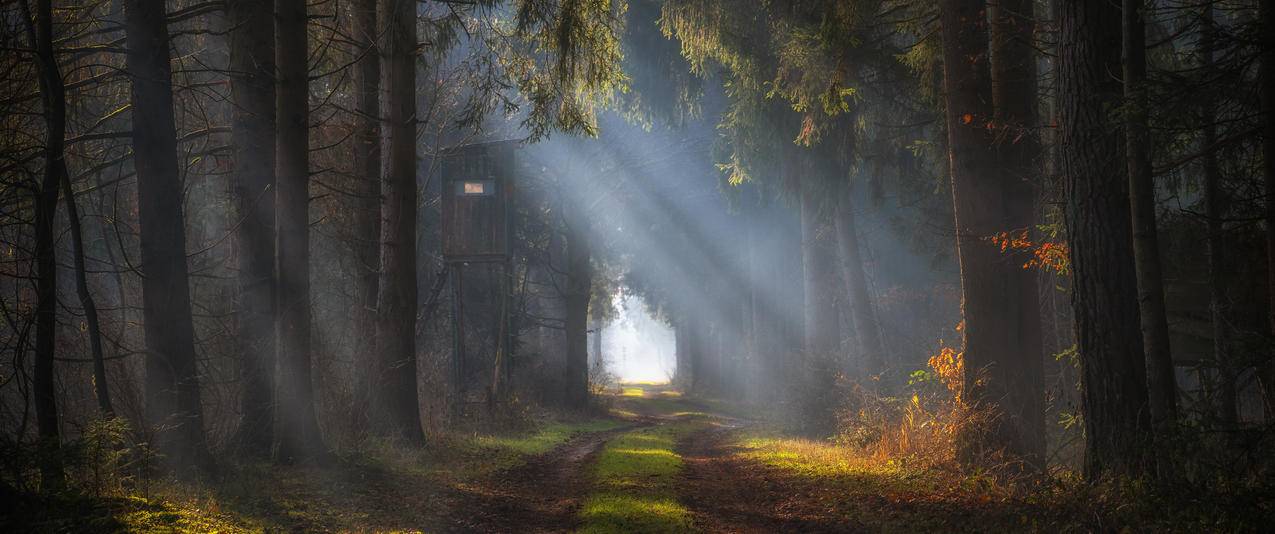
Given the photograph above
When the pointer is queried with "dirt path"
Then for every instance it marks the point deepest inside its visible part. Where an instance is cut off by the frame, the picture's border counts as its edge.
(722, 491)
(728, 494)
(542, 495)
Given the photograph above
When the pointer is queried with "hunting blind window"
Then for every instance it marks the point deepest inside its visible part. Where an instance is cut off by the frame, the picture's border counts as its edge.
(476, 188)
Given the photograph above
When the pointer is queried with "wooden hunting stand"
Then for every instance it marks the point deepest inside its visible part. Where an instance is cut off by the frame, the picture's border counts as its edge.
(477, 204)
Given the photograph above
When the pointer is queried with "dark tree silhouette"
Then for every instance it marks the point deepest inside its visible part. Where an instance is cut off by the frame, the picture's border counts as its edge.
(173, 406)
(252, 86)
(396, 306)
(1104, 283)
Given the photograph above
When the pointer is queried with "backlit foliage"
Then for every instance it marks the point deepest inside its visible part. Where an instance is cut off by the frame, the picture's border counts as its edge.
(797, 73)
(949, 365)
(567, 62)
(1048, 255)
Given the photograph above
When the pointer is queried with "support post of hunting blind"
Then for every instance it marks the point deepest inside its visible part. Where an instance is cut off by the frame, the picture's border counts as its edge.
(477, 195)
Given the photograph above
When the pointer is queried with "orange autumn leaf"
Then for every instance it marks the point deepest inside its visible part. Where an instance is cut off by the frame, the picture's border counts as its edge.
(1045, 255)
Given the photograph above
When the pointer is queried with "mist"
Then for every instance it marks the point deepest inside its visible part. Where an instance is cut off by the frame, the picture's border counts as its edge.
(637, 347)
(637, 265)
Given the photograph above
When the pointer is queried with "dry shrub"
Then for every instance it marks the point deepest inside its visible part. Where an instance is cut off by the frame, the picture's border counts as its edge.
(923, 427)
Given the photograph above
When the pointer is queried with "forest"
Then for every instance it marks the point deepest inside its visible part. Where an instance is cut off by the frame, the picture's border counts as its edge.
(637, 265)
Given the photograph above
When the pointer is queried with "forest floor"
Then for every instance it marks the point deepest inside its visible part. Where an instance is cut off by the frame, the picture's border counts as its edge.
(659, 462)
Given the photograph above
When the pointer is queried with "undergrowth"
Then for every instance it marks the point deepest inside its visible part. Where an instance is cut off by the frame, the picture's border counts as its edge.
(381, 485)
(891, 464)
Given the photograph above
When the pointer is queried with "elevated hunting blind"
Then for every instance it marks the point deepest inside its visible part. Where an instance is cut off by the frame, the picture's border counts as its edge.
(477, 193)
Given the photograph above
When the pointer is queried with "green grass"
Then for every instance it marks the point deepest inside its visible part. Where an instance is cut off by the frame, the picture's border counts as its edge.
(543, 439)
(636, 477)
(143, 515)
(810, 458)
(615, 512)
(383, 486)
(884, 495)
(82, 513)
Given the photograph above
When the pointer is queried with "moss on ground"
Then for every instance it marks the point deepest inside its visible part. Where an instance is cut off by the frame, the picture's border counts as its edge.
(543, 439)
(886, 496)
(72, 513)
(383, 487)
(635, 480)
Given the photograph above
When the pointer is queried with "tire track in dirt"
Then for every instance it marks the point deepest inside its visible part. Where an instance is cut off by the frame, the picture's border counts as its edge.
(726, 493)
(542, 495)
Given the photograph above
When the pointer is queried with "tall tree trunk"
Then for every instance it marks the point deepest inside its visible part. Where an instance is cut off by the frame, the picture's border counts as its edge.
(299, 438)
(101, 390)
(1214, 211)
(990, 194)
(172, 376)
(579, 285)
(1266, 10)
(367, 214)
(818, 267)
(597, 336)
(1104, 298)
(697, 330)
(53, 98)
(1161, 387)
(681, 370)
(396, 306)
(1014, 93)
(252, 87)
(871, 351)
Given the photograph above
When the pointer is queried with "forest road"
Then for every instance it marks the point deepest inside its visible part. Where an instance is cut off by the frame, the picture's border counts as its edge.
(726, 492)
(542, 495)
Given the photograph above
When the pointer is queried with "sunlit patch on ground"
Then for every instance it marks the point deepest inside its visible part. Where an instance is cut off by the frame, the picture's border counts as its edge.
(123, 514)
(627, 513)
(635, 477)
(145, 515)
(384, 487)
(808, 457)
(632, 392)
(544, 438)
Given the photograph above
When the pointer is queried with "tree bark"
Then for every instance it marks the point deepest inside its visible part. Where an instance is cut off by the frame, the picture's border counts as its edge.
(252, 87)
(101, 389)
(1161, 386)
(299, 438)
(1214, 211)
(1266, 9)
(597, 336)
(871, 351)
(991, 194)
(1104, 298)
(172, 377)
(367, 209)
(53, 99)
(396, 305)
(681, 371)
(578, 292)
(1014, 93)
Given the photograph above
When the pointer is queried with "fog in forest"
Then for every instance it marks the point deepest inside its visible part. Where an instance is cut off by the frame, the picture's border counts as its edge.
(637, 347)
(637, 265)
